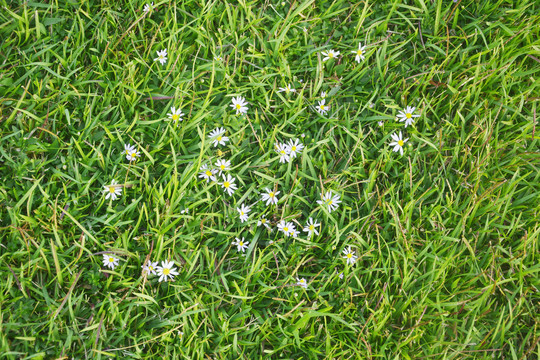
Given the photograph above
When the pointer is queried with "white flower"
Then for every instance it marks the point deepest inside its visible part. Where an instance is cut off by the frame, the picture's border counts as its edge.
(162, 56)
(287, 89)
(380, 123)
(322, 108)
(264, 222)
(239, 104)
(207, 174)
(287, 228)
(148, 7)
(175, 115)
(398, 142)
(270, 196)
(243, 211)
(283, 150)
(349, 256)
(359, 53)
(332, 202)
(310, 227)
(218, 58)
(166, 271)
(323, 94)
(217, 136)
(110, 261)
(330, 54)
(223, 165)
(228, 184)
(241, 245)
(407, 115)
(150, 268)
(112, 191)
(301, 282)
(295, 233)
(131, 152)
(295, 147)
(340, 275)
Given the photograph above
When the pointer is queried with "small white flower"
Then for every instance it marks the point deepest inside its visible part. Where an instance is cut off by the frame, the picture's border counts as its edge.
(301, 282)
(162, 56)
(359, 53)
(295, 233)
(380, 123)
(340, 275)
(270, 196)
(110, 261)
(131, 152)
(287, 228)
(148, 7)
(207, 174)
(287, 89)
(223, 165)
(407, 115)
(283, 150)
(295, 147)
(322, 108)
(150, 268)
(239, 104)
(112, 191)
(218, 58)
(175, 115)
(217, 136)
(330, 54)
(228, 184)
(166, 271)
(398, 142)
(323, 94)
(241, 245)
(349, 256)
(331, 202)
(264, 222)
(244, 212)
(311, 226)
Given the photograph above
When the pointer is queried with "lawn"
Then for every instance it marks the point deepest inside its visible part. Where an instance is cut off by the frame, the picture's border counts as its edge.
(290, 180)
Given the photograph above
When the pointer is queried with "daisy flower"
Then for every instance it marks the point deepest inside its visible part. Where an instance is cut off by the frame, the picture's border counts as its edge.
(310, 227)
(407, 115)
(175, 115)
(295, 147)
(295, 233)
(332, 202)
(398, 142)
(322, 108)
(223, 165)
(241, 245)
(330, 54)
(301, 282)
(112, 191)
(162, 56)
(287, 228)
(283, 150)
(349, 256)
(380, 123)
(207, 174)
(150, 268)
(217, 136)
(287, 89)
(264, 222)
(228, 184)
(243, 211)
(359, 53)
(110, 261)
(148, 7)
(218, 58)
(239, 104)
(131, 152)
(323, 94)
(166, 271)
(270, 196)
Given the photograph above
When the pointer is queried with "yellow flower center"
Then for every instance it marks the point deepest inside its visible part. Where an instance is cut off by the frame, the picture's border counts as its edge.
(219, 153)
(359, 52)
(330, 54)
(150, 267)
(166, 271)
(408, 115)
(400, 142)
(349, 255)
(311, 227)
(282, 152)
(219, 138)
(238, 106)
(293, 148)
(127, 151)
(241, 243)
(208, 173)
(222, 167)
(286, 229)
(226, 184)
(112, 189)
(111, 260)
(241, 213)
(133, 154)
(263, 221)
(271, 194)
(322, 107)
(175, 117)
(330, 202)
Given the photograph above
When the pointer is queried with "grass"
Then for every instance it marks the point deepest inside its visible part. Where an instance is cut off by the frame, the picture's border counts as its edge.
(446, 235)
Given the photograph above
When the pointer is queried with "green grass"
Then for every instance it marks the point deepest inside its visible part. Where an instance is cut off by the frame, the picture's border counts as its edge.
(446, 235)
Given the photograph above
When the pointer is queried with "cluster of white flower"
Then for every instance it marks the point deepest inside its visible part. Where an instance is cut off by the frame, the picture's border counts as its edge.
(166, 271)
